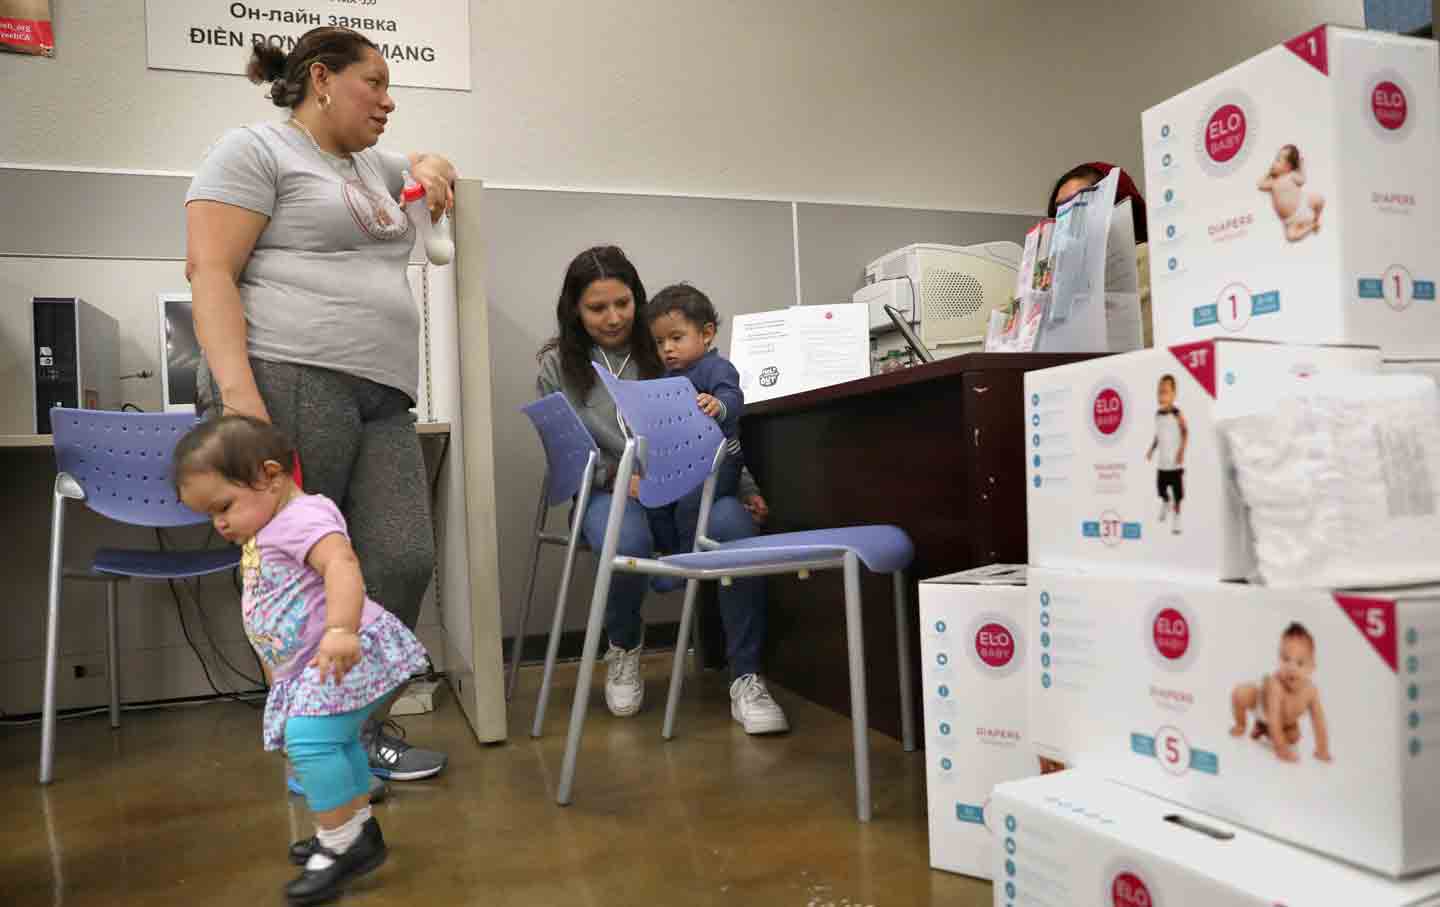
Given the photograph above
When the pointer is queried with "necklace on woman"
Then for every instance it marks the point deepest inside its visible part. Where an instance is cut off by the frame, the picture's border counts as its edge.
(328, 158)
(613, 370)
(619, 419)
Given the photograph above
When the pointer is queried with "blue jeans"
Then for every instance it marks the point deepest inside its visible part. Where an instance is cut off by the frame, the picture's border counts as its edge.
(742, 604)
(329, 758)
(665, 527)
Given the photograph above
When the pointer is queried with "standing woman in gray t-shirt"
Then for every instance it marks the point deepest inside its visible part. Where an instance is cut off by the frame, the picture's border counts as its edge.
(297, 256)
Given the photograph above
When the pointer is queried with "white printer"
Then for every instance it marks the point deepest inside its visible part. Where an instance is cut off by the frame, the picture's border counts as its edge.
(946, 292)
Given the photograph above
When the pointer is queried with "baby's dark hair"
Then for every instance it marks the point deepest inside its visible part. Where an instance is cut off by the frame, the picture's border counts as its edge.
(1167, 379)
(236, 447)
(1292, 154)
(1297, 630)
(692, 304)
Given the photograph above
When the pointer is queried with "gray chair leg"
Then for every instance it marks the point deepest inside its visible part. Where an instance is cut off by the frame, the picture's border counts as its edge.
(593, 626)
(112, 648)
(564, 796)
(859, 713)
(52, 642)
(902, 645)
(519, 644)
(557, 621)
(677, 669)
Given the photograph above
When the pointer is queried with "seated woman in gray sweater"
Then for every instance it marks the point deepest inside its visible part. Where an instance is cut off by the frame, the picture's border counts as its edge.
(596, 323)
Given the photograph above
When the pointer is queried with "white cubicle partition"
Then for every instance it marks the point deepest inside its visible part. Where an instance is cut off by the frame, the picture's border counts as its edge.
(470, 599)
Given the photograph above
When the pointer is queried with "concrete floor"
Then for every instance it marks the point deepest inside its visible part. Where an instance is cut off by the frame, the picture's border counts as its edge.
(183, 807)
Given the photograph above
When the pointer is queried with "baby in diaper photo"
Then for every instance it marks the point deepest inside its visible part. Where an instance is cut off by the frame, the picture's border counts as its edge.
(1280, 698)
(1171, 437)
(1299, 211)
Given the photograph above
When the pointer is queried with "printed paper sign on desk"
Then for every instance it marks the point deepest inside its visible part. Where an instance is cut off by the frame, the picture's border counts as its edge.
(793, 350)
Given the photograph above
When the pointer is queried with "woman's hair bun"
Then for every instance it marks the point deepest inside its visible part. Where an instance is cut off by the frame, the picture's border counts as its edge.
(267, 63)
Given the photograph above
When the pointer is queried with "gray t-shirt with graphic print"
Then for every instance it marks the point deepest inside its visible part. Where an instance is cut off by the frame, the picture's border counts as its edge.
(326, 283)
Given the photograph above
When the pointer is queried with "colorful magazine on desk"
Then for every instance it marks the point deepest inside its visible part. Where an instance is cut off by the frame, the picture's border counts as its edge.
(1076, 290)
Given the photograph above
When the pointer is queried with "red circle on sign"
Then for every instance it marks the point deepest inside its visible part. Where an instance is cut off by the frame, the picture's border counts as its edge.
(1171, 633)
(995, 644)
(1109, 411)
(1225, 133)
(1388, 103)
(1127, 890)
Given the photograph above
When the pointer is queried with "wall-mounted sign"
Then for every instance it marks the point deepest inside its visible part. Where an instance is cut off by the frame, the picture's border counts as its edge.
(426, 44)
(26, 27)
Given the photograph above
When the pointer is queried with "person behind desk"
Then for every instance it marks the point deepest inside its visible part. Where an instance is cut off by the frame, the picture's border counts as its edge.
(1086, 175)
(296, 254)
(596, 323)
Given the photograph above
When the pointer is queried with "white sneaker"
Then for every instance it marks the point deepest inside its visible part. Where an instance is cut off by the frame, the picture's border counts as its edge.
(624, 687)
(1175, 526)
(752, 706)
(1164, 509)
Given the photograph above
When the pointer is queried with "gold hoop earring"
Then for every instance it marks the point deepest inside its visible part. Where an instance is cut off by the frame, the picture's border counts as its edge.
(324, 101)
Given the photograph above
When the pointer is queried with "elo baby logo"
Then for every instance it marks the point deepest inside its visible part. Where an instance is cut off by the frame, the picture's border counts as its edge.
(996, 644)
(1225, 133)
(1170, 633)
(1129, 890)
(1110, 411)
(1387, 102)
(1388, 107)
(1125, 886)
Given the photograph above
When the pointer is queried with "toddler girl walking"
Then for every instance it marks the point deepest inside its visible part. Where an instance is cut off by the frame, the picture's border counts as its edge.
(332, 652)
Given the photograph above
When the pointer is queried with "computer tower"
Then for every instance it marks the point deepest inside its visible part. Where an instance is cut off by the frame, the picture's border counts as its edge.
(73, 357)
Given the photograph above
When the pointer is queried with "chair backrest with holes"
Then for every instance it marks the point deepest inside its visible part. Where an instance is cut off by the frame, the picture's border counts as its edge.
(123, 461)
(680, 440)
(567, 444)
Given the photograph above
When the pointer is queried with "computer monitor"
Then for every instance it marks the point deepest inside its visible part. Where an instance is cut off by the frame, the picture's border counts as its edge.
(179, 353)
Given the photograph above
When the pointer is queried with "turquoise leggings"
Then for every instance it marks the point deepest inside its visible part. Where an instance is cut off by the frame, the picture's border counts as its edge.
(329, 759)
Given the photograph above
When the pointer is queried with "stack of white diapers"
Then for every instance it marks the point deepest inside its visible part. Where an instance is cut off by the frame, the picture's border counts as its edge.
(1342, 481)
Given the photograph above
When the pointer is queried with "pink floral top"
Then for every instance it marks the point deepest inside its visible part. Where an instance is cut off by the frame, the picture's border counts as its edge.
(284, 614)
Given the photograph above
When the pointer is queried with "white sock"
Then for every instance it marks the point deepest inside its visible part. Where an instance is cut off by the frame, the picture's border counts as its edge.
(338, 839)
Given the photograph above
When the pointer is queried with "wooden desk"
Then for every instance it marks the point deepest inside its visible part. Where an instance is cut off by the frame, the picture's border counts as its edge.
(938, 450)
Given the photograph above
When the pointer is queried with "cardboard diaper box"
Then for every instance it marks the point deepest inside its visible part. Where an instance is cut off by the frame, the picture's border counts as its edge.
(1309, 715)
(1294, 197)
(1077, 840)
(1126, 467)
(973, 646)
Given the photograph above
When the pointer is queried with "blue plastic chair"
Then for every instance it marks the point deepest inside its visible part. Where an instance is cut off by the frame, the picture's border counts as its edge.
(570, 459)
(676, 448)
(119, 465)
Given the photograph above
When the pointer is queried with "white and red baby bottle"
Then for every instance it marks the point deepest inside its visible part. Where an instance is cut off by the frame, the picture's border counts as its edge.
(439, 244)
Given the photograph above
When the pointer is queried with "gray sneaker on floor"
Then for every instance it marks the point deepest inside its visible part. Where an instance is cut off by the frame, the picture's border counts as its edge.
(393, 759)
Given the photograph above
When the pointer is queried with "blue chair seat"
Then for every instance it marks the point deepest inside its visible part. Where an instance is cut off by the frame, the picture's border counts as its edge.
(165, 564)
(882, 549)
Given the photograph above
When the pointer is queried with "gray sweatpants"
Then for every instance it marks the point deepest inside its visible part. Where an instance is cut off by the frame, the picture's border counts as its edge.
(358, 447)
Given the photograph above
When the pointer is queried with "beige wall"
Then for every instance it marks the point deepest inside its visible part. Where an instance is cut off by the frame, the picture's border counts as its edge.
(925, 103)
